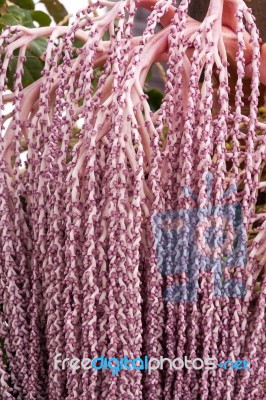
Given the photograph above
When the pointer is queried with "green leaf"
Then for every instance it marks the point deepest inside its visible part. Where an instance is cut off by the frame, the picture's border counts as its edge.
(37, 47)
(55, 9)
(42, 18)
(17, 16)
(155, 98)
(33, 65)
(2, 2)
(17, 12)
(78, 43)
(27, 4)
(32, 70)
(8, 19)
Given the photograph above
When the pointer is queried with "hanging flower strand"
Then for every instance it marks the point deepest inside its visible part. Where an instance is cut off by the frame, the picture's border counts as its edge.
(111, 229)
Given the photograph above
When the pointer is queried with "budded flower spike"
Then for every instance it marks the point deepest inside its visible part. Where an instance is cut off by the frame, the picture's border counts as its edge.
(84, 272)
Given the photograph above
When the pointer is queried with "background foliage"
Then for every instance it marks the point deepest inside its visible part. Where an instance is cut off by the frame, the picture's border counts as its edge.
(23, 12)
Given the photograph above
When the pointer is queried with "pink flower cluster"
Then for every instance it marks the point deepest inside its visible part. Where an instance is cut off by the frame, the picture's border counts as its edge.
(78, 268)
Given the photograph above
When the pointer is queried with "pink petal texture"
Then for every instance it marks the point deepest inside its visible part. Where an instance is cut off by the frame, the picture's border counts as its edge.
(80, 261)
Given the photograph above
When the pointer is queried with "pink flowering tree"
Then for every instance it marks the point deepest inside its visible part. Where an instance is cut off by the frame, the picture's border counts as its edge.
(79, 271)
